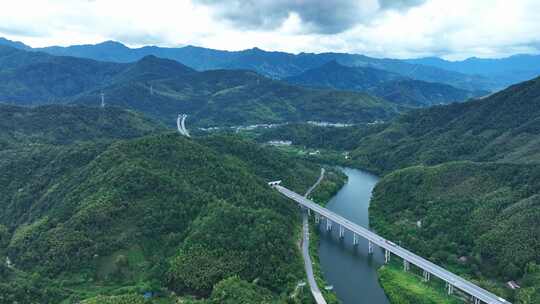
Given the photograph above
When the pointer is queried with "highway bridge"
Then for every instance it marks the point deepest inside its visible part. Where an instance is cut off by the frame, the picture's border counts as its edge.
(477, 294)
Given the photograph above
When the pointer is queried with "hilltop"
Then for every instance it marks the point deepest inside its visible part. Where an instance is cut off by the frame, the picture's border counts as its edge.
(61, 125)
(34, 78)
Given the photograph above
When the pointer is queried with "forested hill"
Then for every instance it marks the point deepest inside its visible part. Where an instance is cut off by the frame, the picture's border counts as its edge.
(224, 97)
(387, 85)
(478, 219)
(38, 78)
(58, 124)
(156, 213)
(508, 70)
(503, 128)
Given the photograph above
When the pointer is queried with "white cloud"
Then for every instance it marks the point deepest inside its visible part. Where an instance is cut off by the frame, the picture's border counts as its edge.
(454, 29)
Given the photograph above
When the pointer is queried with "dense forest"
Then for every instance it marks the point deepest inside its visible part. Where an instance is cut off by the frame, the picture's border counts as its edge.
(313, 136)
(503, 128)
(61, 125)
(478, 219)
(114, 219)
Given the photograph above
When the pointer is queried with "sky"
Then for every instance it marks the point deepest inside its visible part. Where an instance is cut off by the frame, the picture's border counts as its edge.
(452, 29)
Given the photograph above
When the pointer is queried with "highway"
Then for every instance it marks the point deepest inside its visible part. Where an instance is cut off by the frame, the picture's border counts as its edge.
(316, 183)
(181, 125)
(477, 292)
(315, 291)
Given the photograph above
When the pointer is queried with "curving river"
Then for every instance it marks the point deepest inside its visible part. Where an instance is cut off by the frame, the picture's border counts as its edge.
(351, 271)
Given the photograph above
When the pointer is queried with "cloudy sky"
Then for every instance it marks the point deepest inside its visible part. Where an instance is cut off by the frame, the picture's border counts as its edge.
(453, 29)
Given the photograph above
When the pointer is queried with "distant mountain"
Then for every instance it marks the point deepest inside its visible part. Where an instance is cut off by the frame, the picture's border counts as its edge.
(271, 64)
(38, 78)
(338, 76)
(390, 86)
(508, 70)
(14, 44)
(163, 88)
(151, 68)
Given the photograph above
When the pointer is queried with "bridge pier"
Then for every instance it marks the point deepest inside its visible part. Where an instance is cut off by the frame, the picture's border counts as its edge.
(341, 232)
(328, 224)
(450, 289)
(370, 247)
(406, 265)
(475, 300)
(386, 256)
(426, 276)
(355, 239)
(317, 218)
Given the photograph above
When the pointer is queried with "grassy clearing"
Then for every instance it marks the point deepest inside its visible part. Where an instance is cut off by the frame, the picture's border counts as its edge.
(407, 288)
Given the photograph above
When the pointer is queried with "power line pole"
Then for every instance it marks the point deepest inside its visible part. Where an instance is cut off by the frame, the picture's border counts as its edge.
(102, 100)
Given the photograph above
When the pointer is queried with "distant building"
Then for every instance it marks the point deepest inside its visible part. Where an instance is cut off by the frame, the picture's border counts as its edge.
(280, 142)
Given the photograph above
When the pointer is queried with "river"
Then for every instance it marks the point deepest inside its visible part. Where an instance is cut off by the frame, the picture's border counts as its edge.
(351, 271)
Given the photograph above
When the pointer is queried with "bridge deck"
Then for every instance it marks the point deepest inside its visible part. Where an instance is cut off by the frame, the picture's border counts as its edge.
(445, 275)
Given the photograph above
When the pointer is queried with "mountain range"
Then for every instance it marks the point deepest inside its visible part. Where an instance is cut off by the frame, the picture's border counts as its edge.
(390, 86)
(507, 70)
(163, 88)
(271, 64)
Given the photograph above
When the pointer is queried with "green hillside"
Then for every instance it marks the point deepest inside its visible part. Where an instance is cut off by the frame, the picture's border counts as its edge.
(502, 128)
(37, 78)
(150, 214)
(485, 214)
(57, 124)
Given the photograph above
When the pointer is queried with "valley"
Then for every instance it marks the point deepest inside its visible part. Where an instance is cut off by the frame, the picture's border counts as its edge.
(174, 173)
